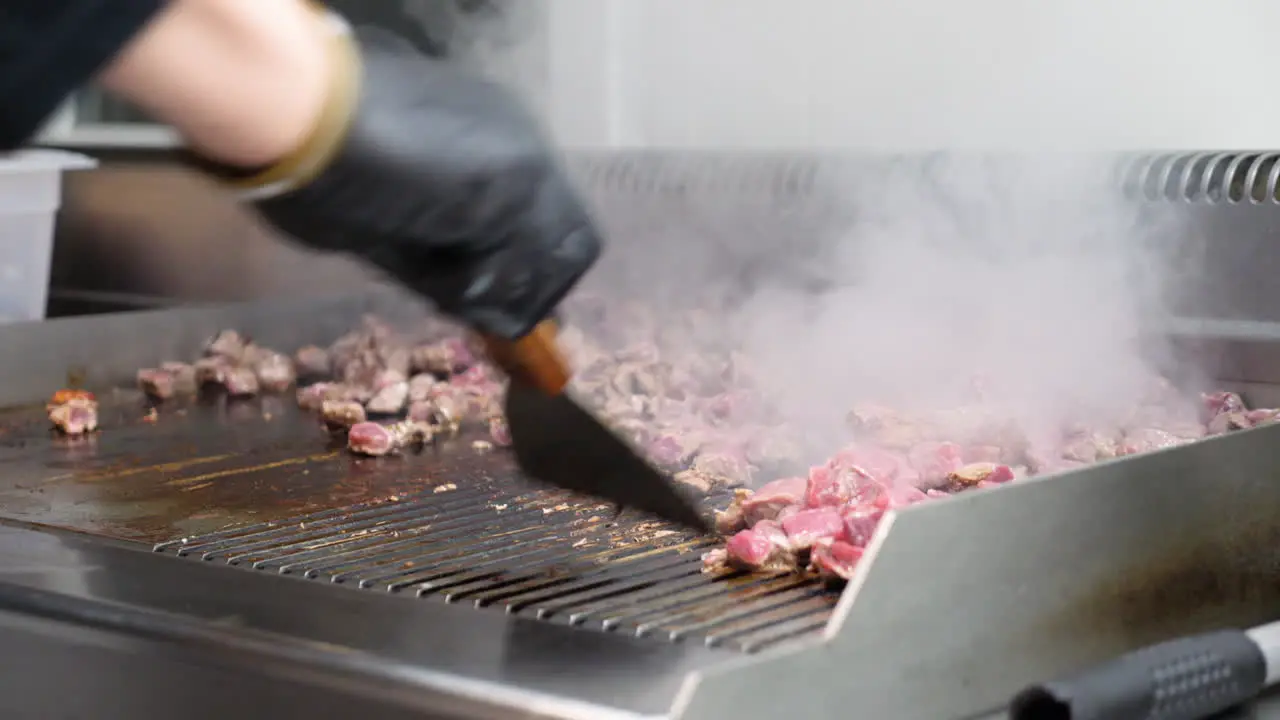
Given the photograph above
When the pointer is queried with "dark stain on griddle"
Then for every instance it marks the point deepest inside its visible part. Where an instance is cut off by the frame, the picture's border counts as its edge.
(204, 465)
(1231, 579)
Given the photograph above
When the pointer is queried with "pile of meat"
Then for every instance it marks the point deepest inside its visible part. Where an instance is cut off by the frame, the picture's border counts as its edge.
(697, 414)
(387, 392)
(822, 521)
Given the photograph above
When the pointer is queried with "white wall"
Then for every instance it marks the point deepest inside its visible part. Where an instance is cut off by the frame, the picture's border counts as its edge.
(913, 74)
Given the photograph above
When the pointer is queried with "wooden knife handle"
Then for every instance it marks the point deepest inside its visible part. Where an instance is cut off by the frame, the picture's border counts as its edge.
(533, 359)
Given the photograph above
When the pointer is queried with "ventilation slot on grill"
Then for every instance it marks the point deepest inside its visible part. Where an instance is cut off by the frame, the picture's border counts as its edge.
(1205, 177)
(534, 554)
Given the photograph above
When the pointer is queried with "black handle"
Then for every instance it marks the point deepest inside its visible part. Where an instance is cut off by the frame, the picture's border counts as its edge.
(1185, 679)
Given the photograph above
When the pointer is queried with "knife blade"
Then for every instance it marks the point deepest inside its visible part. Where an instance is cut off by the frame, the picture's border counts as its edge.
(559, 442)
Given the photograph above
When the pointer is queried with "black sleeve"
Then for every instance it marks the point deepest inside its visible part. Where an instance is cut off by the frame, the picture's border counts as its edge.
(50, 48)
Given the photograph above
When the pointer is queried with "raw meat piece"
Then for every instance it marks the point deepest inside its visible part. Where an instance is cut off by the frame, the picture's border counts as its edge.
(274, 371)
(340, 414)
(390, 399)
(1262, 416)
(77, 414)
(836, 486)
(875, 463)
(860, 523)
(312, 361)
(762, 548)
(934, 461)
(836, 559)
(769, 500)
(807, 527)
(974, 473)
(376, 440)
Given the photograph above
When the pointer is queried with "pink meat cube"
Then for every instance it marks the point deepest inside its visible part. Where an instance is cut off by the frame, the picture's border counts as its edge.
(881, 465)
(860, 524)
(836, 560)
(934, 461)
(807, 527)
(763, 547)
(768, 501)
(828, 487)
(369, 438)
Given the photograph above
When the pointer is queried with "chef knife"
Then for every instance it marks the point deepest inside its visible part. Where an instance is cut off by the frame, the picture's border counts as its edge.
(558, 442)
(1194, 677)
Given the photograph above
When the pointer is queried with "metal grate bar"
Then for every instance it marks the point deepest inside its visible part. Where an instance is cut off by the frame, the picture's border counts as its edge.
(533, 553)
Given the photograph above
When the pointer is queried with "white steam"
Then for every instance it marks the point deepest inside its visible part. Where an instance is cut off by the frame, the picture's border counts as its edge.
(1029, 279)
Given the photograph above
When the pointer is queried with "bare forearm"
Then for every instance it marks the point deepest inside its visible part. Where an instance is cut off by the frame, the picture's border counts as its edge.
(242, 80)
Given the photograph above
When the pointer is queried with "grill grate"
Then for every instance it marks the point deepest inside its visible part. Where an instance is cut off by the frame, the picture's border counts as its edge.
(535, 554)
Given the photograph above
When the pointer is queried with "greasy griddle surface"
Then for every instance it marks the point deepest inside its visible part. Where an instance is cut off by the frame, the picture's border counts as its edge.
(204, 465)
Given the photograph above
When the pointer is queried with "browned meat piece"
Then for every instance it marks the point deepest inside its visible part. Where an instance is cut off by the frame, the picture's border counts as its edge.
(240, 382)
(76, 415)
(313, 397)
(274, 371)
(341, 415)
(424, 386)
(672, 450)
(212, 370)
(733, 518)
(226, 344)
(974, 474)
(156, 383)
(696, 481)
(375, 440)
(443, 357)
(1220, 403)
(390, 399)
(731, 468)
(1149, 440)
(1228, 421)
(398, 360)
(312, 361)
(715, 561)
(1088, 446)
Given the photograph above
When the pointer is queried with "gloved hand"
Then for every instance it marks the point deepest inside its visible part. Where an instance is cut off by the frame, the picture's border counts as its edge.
(439, 178)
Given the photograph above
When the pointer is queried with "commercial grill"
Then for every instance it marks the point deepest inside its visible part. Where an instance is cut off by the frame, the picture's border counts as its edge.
(957, 604)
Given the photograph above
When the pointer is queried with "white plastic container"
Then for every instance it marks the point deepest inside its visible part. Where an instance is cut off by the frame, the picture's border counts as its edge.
(30, 195)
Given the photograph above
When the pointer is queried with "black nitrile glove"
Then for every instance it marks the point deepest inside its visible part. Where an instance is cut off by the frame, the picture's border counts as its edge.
(442, 180)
